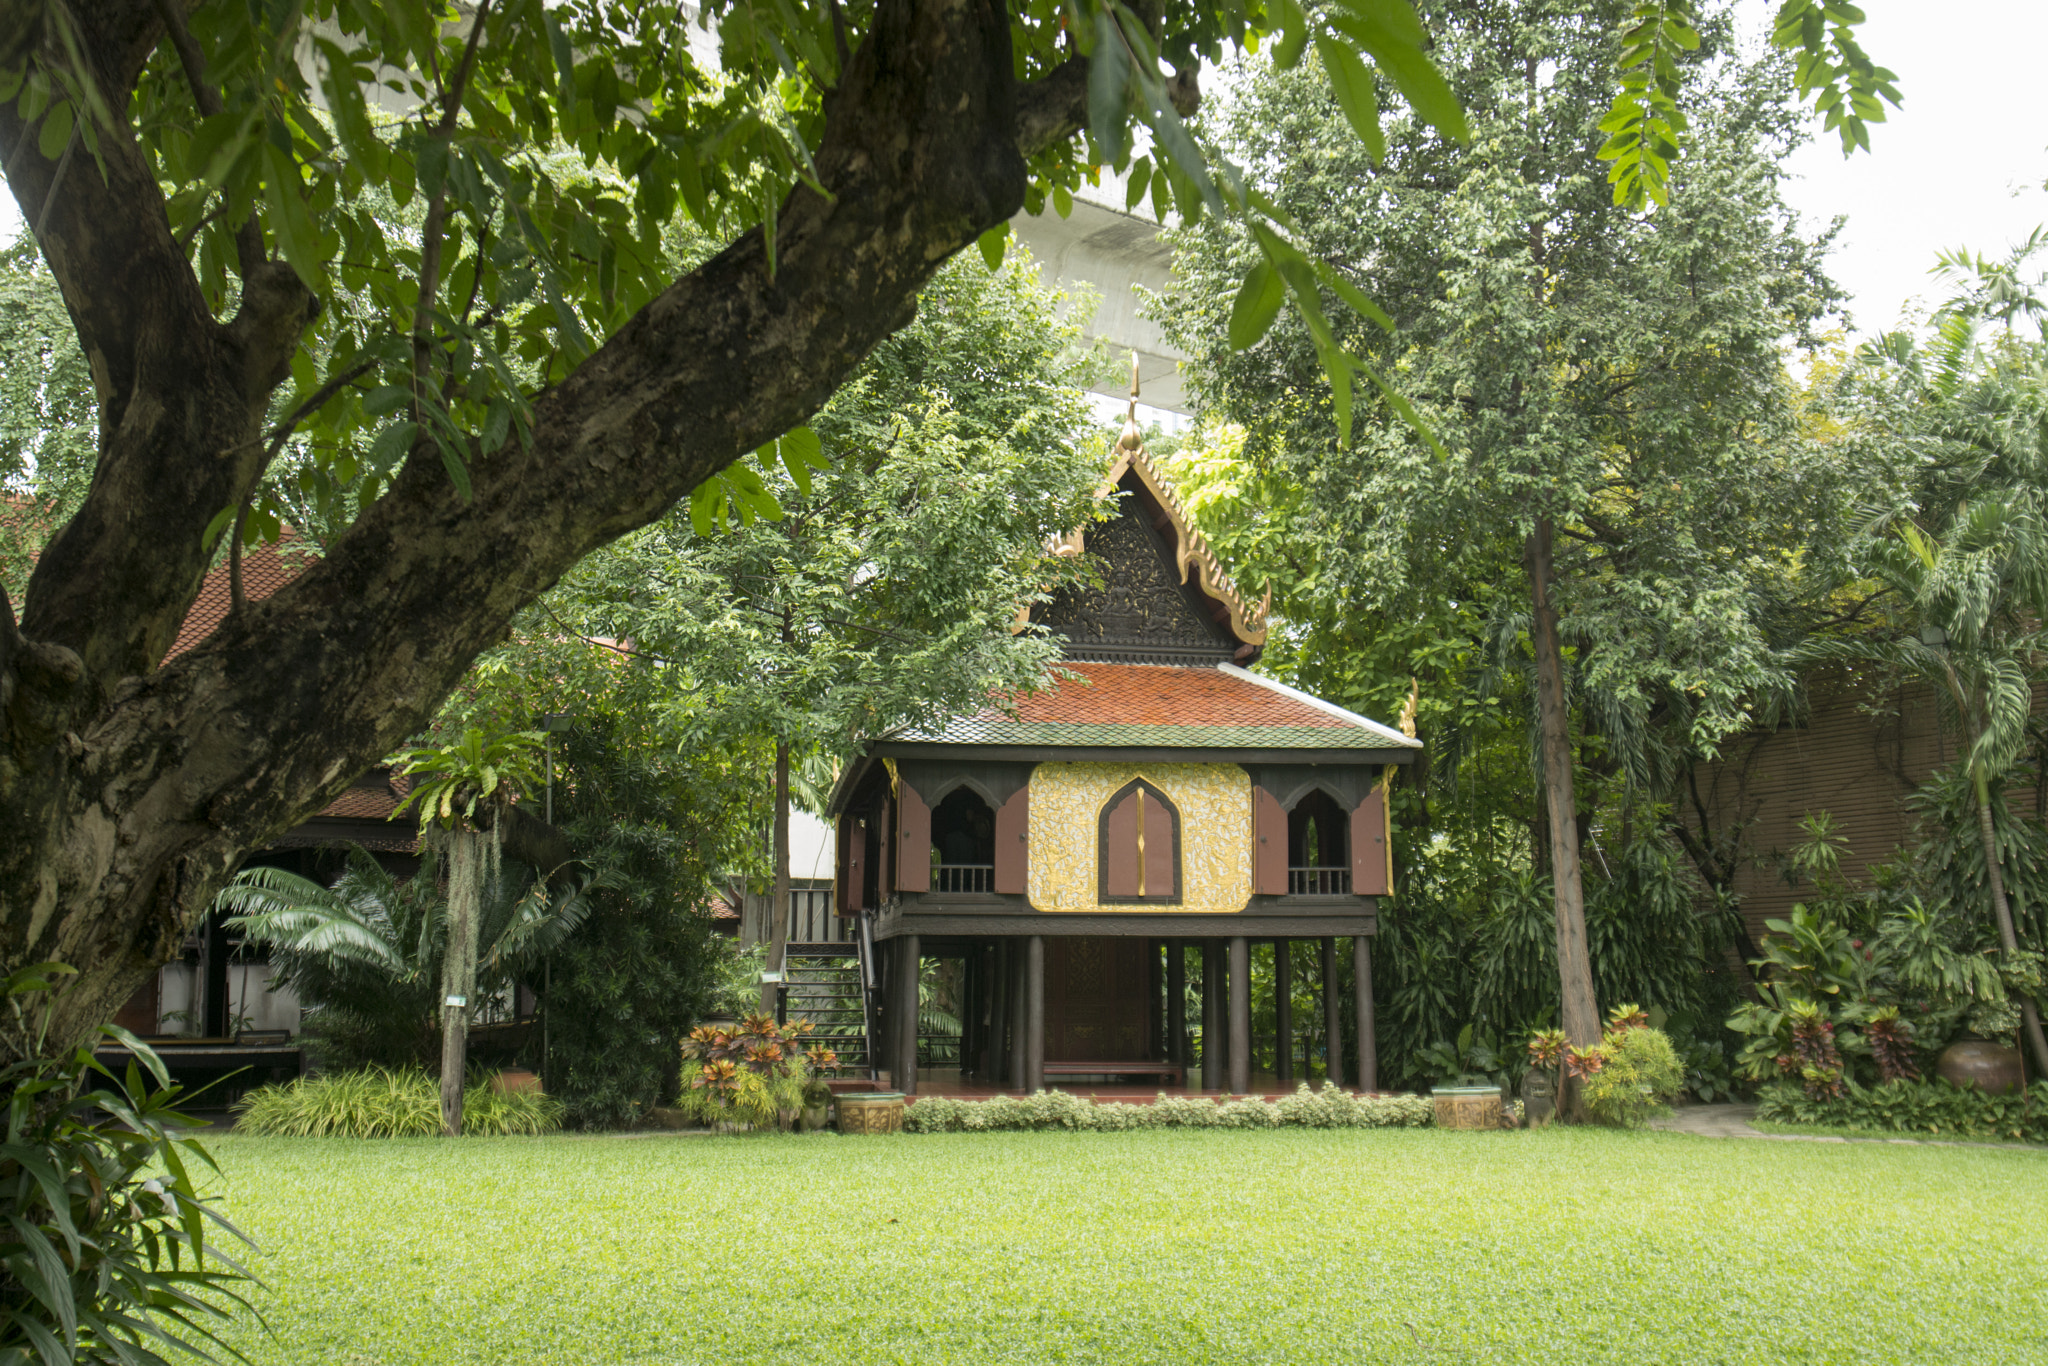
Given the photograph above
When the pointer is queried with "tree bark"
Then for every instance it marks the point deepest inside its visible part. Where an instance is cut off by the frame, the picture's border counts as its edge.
(1574, 962)
(130, 790)
(467, 869)
(2008, 935)
(778, 910)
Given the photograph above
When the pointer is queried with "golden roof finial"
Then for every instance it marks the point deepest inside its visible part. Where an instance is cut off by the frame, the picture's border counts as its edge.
(1132, 438)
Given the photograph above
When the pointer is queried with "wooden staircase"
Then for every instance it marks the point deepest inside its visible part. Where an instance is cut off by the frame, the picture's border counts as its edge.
(832, 987)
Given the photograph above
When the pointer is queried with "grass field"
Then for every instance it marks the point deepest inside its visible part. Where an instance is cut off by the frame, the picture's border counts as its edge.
(1277, 1246)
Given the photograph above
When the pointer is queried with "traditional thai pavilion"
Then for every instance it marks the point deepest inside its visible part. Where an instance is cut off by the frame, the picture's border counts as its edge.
(1157, 795)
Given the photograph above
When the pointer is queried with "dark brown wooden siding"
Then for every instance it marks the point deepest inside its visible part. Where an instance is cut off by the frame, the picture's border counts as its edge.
(1013, 847)
(1369, 845)
(1159, 840)
(913, 841)
(1120, 846)
(1269, 844)
(1860, 755)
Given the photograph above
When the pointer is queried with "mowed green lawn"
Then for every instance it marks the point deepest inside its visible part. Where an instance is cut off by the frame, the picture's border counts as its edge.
(1277, 1246)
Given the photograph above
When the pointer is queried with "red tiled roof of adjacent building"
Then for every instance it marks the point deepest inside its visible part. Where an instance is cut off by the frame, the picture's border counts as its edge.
(265, 569)
(1157, 705)
(1165, 695)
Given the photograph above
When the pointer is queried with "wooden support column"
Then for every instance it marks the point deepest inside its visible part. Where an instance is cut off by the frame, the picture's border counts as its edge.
(1240, 1015)
(994, 1059)
(1155, 1002)
(1020, 1021)
(1034, 999)
(1283, 1010)
(1368, 1066)
(1333, 1014)
(906, 1038)
(1177, 1003)
(1211, 1018)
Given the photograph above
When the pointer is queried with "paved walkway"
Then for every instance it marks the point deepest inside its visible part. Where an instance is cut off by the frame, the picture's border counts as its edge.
(1713, 1121)
(1733, 1121)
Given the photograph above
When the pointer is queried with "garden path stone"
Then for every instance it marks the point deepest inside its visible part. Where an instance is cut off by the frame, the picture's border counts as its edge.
(1712, 1121)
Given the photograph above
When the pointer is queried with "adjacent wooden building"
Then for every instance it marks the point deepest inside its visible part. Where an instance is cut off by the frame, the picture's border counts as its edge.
(1157, 794)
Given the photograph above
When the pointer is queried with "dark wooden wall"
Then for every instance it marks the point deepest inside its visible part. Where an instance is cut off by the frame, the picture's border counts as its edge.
(1096, 994)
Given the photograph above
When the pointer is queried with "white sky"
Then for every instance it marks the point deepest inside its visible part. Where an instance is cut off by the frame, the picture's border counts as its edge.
(1960, 164)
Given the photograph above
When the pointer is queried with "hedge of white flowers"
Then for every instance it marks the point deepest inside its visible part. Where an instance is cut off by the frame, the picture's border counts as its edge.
(1329, 1108)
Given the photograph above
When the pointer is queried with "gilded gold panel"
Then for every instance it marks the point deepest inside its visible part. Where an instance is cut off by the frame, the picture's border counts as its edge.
(1215, 803)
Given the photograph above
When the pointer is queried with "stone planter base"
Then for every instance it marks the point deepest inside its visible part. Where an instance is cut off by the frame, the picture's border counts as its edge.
(1467, 1107)
(873, 1112)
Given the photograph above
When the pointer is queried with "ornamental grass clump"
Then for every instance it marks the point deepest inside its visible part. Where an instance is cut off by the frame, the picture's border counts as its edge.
(376, 1102)
(751, 1073)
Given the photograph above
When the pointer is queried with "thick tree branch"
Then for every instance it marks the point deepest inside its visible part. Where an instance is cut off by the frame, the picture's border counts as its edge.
(127, 809)
(181, 395)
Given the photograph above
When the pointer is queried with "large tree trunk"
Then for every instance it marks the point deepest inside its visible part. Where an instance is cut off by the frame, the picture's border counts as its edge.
(778, 910)
(468, 870)
(2008, 936)
(1574, 963)
(129, 790)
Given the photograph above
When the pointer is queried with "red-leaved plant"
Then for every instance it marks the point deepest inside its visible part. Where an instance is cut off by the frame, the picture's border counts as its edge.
(752, 1070)
(1891, 1043)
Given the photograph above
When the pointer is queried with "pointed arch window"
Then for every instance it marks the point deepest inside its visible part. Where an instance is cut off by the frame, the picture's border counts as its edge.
(1138, 847)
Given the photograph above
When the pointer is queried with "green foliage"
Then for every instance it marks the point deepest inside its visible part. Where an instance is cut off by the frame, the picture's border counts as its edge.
(667, 826)
(1329, 1108)
(1473, 1060)
(1867, 985)
(1639, 1077)
(1925, 1107)
(366, 954)
(449, 781)
(111, 1252)
(885, 592)
(376, 1102)
(1441, 968)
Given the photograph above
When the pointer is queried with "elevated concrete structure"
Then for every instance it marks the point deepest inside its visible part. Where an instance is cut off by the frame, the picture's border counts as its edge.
(1115, 254)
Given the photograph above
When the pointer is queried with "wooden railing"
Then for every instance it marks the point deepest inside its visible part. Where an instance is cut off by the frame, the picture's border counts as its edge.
(963, 877)
(1318, 881)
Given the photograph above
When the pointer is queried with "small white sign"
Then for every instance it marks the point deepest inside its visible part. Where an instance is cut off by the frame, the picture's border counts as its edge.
(457, 1001)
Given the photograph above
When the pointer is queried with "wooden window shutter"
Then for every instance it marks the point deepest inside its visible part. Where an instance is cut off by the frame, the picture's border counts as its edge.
(913, 841)
(1370, 868)
(853, 843)
(1269, 844)
(1120, 847)
(885, 851)
(1013, 849)
(1159, 850)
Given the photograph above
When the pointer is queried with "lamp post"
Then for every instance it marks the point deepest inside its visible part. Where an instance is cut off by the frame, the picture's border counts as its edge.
(550, 723)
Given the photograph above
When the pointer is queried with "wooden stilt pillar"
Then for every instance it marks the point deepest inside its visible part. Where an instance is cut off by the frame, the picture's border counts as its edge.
(1333, 1015)
(1019, 1021)
(1177, 1003)
(1155, 1001)
(906, 1040)
(1283, 1010)
(1034, 998)
(992, 1071)
(1211, 1018)
(1240, 1015)
(1368, 1067)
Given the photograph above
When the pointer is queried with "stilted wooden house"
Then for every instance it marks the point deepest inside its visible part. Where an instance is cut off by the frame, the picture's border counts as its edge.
(1159, 795)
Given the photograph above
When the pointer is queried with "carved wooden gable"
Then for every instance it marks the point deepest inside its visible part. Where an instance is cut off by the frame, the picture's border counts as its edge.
(1143, 612)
